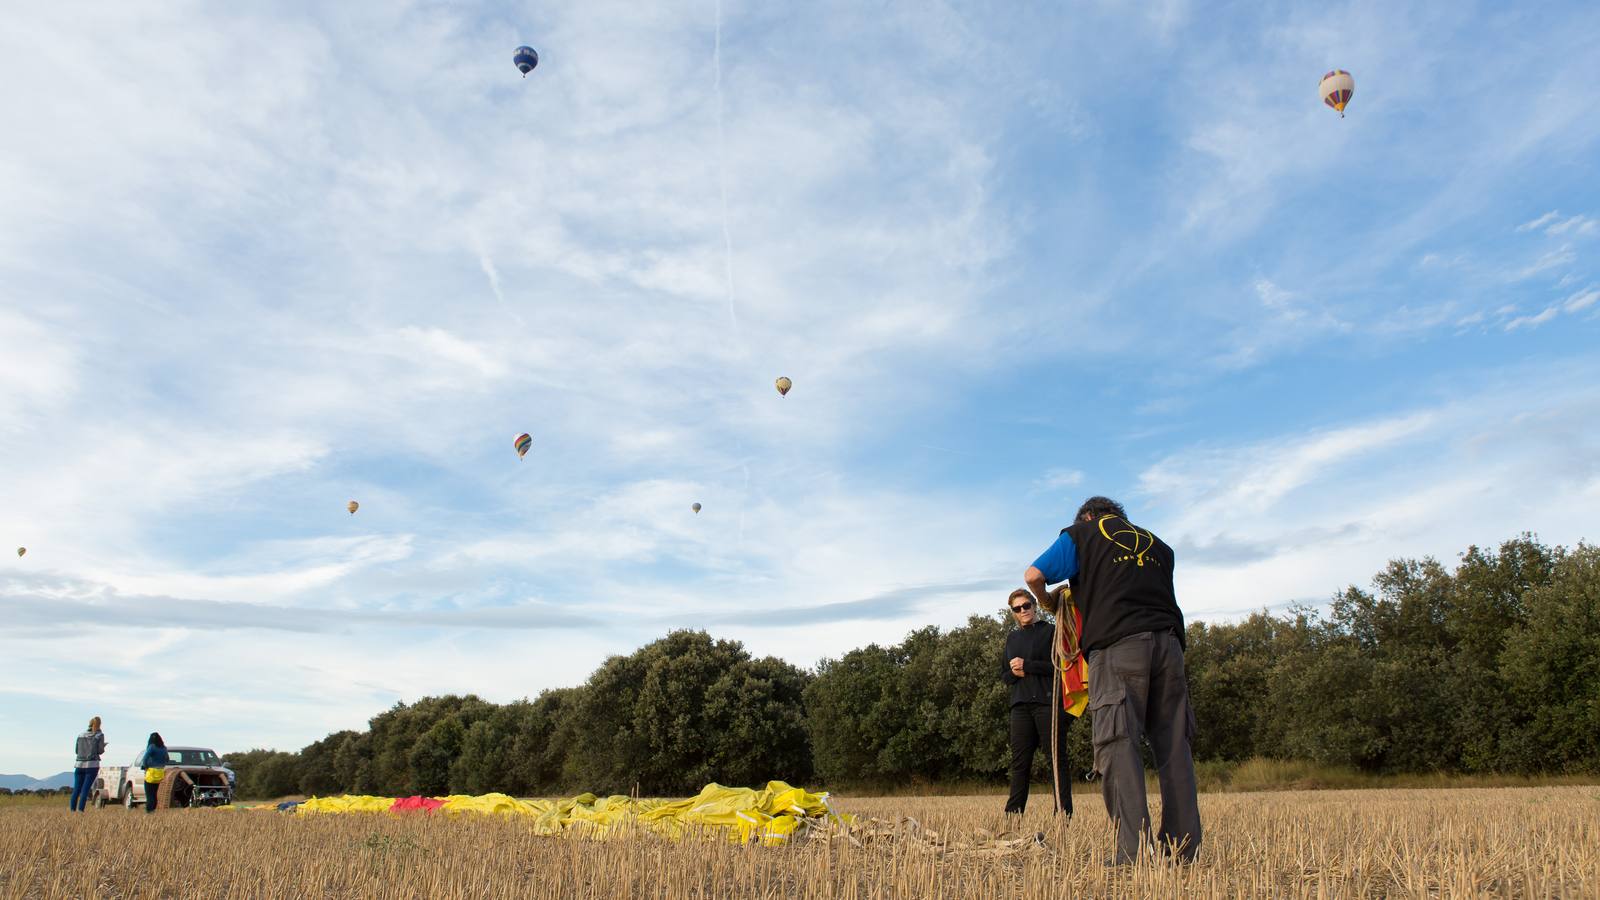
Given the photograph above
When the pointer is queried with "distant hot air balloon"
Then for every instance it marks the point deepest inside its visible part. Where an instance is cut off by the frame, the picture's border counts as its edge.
(526, 58)
(353, 506)
(1336, 88)
(23, 550)
(524, 441)
(696, 508)
(784, 384)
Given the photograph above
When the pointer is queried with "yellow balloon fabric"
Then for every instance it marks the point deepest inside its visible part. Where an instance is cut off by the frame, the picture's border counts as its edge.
(345, 804)
(769, 815)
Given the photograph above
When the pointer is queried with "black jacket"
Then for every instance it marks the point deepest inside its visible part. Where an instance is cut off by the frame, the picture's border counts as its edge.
(1033, 645)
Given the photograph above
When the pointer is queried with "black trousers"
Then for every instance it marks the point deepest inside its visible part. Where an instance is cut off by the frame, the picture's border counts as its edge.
(1030, 730)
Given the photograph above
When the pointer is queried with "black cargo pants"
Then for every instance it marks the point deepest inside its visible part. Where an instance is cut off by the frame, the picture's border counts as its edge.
(1138, 689)
(1030, 730)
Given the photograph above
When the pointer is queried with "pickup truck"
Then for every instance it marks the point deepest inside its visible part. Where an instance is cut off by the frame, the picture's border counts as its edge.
(196, 776)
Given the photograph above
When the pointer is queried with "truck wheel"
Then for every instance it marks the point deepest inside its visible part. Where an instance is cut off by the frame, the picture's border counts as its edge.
(127, 797)
(99, 799)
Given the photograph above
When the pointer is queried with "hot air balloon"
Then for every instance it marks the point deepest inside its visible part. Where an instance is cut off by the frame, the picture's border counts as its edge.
(696, 508)
(524, 441)
(23, 550)
(784, 384)
(353, 506)
(526, 58)
(1336, 89)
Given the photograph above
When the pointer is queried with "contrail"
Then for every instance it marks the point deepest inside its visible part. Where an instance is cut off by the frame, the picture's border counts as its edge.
(722, 174)
(487, 265)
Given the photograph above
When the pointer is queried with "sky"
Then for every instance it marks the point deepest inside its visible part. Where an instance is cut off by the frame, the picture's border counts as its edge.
(257, 260)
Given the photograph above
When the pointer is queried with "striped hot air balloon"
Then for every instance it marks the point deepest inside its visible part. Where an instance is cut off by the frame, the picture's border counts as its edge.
(524, 441)
(352, 506)
(1336, 88)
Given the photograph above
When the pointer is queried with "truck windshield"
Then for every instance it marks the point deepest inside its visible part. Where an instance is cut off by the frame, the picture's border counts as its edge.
(192, 757)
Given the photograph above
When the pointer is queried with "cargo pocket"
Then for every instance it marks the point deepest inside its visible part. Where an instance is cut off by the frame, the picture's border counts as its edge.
(1107, 718)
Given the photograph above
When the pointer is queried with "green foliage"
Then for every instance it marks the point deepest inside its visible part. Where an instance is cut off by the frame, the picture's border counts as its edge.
(1551, 670)
(686, 710)
(932, 708)
(265, 773)
(1492, 669)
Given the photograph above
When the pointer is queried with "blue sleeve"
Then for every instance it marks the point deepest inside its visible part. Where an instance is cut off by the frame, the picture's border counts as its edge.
(1060, 562)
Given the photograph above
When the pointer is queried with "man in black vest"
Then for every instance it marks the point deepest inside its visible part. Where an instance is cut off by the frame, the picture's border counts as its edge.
(1027, 669)
(1121, 577)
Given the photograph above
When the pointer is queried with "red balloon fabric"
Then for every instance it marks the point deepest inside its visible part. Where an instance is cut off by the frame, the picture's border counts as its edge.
(415, 804)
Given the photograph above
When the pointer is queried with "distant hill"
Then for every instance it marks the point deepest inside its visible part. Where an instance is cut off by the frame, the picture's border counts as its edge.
(29, 783)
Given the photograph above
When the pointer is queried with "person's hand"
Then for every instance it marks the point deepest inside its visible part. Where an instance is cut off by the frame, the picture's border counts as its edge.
(1016, 666)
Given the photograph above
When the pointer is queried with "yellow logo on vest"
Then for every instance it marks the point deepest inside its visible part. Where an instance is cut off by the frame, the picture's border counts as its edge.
(1124, 534)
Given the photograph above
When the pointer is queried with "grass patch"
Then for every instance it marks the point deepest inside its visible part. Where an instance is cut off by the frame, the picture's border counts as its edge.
(1262, 774)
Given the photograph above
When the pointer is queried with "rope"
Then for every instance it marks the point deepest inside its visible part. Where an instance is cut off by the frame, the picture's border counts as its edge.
(1059, 658)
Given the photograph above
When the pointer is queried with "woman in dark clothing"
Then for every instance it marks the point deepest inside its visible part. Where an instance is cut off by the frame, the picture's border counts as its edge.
(91, 744)
(1027, 668)
(154, 762)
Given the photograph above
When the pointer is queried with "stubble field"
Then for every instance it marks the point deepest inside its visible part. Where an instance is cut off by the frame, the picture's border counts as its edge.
(1512, 842)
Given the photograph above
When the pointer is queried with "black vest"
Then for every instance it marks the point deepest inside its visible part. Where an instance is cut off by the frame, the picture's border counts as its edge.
(1124, 581)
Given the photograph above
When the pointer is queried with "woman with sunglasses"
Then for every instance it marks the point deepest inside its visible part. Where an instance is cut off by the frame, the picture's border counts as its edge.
(1026, 667)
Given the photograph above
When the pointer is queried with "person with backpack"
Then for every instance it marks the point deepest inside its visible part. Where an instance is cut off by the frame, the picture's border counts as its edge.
(153, 761)
(86, 768)
(1121, 578)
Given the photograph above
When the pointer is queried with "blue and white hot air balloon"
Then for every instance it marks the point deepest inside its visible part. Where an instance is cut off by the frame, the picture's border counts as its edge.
(526, 58)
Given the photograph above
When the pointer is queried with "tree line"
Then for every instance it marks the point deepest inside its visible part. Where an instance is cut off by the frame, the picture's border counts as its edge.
(1493, 666)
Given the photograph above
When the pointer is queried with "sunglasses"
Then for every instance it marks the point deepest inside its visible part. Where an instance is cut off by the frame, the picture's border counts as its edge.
(1023, 608)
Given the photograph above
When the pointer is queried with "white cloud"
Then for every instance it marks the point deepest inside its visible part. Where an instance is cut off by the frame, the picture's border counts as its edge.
(1533, 321)
(1553, 259)
(1297, 517)
(1577, 302)
(1553, 223)
(1581, 300)
(1541, 221)
(1057, 479)
(1578, 225)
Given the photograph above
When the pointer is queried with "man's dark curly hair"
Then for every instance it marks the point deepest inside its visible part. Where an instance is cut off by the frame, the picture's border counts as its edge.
(1095, 507)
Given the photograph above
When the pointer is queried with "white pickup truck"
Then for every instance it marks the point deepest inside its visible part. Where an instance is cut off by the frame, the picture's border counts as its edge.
(196, 775)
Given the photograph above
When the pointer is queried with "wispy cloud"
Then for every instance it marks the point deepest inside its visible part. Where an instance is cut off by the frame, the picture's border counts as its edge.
(1272, 519)
(1554, 223)
(64, 606)
(1057, 479)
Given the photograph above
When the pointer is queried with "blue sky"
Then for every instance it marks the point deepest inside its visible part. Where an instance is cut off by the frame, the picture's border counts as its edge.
(256, 261)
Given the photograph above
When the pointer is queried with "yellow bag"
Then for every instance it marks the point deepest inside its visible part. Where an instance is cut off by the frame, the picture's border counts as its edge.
(154, 776)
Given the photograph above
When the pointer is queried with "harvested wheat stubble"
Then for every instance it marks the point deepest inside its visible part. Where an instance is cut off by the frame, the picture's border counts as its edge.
(1539, 842)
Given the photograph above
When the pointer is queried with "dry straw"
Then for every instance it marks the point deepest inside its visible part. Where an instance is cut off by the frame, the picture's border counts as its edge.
(1539, 842)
